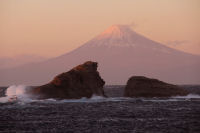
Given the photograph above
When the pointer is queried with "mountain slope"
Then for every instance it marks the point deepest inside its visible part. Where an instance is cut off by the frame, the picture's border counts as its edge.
(121, 53)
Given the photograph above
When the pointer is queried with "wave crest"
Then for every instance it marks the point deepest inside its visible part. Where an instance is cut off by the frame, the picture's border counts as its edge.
(15, 93)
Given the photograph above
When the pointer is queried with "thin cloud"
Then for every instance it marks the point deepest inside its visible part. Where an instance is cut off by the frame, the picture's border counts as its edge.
(133, 25)
(177, 42)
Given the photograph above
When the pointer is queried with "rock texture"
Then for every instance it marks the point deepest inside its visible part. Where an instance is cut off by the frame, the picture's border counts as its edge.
(81, 81)
(139, 86)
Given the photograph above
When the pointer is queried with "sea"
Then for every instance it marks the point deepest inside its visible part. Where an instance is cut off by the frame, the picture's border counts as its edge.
(20, 113)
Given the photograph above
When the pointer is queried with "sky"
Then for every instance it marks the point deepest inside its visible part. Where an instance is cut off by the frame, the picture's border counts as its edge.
(51, 28)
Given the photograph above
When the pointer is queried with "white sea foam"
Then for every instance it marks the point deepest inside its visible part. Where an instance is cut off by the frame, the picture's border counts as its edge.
(94, 98)
(16, 93)
(17, 90)
(189, 96)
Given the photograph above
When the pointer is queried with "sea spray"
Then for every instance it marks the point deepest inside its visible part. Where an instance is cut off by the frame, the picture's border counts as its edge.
(16, 93)
(189, 96)
(15, 90)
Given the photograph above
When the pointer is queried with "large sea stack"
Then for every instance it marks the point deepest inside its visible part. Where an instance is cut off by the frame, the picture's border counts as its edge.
(139, 86)
(81, 81)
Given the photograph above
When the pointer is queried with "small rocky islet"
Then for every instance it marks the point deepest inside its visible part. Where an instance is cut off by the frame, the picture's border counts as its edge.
(81, 81)
(140, 86)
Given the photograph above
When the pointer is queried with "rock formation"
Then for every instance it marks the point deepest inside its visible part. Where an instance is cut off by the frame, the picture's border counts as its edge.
(81, 81)
(139, 86)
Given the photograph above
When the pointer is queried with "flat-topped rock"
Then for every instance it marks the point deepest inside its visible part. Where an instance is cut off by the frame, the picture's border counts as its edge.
(139, 86)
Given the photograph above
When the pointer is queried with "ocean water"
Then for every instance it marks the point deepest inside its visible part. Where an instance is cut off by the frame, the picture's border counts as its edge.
(20, 112)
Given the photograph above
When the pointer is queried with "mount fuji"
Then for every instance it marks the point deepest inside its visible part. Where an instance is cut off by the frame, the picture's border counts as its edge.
(121, 53)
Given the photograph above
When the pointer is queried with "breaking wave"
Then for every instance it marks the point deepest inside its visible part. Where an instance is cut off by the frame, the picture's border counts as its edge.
(189, 96)
(16, 93)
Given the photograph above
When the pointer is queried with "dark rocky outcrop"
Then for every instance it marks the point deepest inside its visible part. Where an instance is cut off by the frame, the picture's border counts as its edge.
(139, 86)
(81, 81)
(3, 91)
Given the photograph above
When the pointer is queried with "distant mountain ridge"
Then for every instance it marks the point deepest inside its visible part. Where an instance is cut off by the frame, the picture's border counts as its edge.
(10, 62)
(121, 53)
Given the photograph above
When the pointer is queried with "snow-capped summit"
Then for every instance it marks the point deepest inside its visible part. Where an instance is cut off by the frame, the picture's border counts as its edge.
(117, 35)
(121, 36)
(117, 31)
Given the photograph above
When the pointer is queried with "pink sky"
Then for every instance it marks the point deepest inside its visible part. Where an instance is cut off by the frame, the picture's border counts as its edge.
(53, 27)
